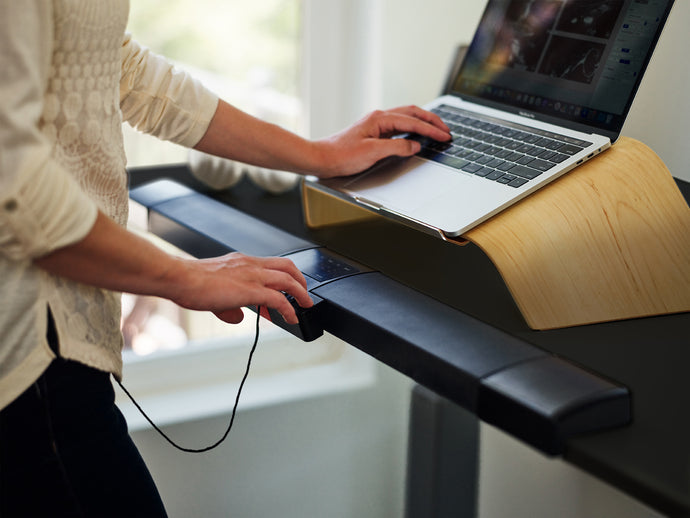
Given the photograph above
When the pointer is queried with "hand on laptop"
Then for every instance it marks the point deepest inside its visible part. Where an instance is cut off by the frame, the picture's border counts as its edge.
(238, 136)
(361, 145)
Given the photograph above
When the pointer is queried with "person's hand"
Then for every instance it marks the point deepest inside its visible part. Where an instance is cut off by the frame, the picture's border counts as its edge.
(366, 142)
(225, 284)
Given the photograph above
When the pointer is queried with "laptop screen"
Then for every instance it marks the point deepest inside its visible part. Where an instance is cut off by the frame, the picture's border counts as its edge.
(577, 63)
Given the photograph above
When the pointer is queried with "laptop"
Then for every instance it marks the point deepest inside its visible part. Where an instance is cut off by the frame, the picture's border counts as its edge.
(544, 86)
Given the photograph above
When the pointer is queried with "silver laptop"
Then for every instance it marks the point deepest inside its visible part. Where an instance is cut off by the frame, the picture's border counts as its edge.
(544, 86)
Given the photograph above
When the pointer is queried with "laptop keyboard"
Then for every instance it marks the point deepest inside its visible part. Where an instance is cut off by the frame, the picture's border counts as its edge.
(503, 152)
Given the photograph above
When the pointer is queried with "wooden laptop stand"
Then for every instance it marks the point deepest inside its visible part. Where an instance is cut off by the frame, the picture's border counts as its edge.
(607, 241)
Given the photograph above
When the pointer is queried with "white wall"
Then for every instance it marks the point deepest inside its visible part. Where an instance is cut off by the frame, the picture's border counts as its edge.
(516, 481)
(661, 111)
(343, 456)
(339, 456)
(418, 42)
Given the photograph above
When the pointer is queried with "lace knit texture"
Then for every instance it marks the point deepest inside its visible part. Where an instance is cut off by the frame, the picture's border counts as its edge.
(81, 116)
(97, 75)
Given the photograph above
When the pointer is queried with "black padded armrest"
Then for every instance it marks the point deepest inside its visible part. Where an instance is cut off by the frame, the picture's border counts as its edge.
(181, 216)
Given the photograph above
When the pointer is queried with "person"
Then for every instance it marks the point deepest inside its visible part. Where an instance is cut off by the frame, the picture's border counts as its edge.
(71, 75)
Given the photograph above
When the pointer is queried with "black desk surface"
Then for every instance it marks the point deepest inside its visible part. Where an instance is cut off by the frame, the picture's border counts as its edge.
(650, 459)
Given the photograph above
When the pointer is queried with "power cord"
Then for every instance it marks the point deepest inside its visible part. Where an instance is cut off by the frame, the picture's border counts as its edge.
(234, 409)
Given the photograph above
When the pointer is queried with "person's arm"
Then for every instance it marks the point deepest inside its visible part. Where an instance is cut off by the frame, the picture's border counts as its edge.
(160, 100)
(42, 206)
(55, 225)
(236, 135)
(113, 258)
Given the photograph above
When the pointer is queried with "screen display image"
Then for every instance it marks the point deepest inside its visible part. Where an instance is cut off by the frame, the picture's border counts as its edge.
(574, 60)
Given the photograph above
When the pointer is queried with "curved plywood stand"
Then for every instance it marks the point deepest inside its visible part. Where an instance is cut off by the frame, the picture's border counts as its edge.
(607, 241)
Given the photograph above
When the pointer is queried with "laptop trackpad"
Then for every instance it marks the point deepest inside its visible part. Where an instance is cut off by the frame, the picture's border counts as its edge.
(405, 185)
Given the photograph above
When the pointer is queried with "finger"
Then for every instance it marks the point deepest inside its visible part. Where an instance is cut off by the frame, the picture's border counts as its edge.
(425, 115)
(278, 301)
(237, 280)
(384, 148)
(231, 316)
(263, 298)
(302, 298)
(286, 284)
(392, 123)
(295, 283)
(285, 265)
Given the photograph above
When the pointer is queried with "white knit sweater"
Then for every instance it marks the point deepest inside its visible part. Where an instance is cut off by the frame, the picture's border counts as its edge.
(70, 76)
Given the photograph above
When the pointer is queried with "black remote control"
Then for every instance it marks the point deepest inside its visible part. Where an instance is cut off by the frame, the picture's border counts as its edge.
(308, 328)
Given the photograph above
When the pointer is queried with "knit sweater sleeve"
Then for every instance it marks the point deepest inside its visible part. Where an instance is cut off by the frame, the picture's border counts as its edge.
(42, 207)
(158, 99)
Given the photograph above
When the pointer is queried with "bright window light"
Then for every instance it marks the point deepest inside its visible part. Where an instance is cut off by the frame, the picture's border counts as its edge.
(247, 52)
(250, 54)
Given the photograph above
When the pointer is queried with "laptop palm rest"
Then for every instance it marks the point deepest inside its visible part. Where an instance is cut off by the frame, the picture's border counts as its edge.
(405, 185)
(425, 194)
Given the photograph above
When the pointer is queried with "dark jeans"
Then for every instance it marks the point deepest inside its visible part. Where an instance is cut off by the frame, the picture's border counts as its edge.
(65, 451)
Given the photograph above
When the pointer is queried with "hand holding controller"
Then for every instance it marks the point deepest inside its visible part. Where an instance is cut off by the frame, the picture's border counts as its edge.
(308, 328)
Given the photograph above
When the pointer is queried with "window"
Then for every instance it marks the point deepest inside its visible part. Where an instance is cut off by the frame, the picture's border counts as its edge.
(180, 364)
(247, 52)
